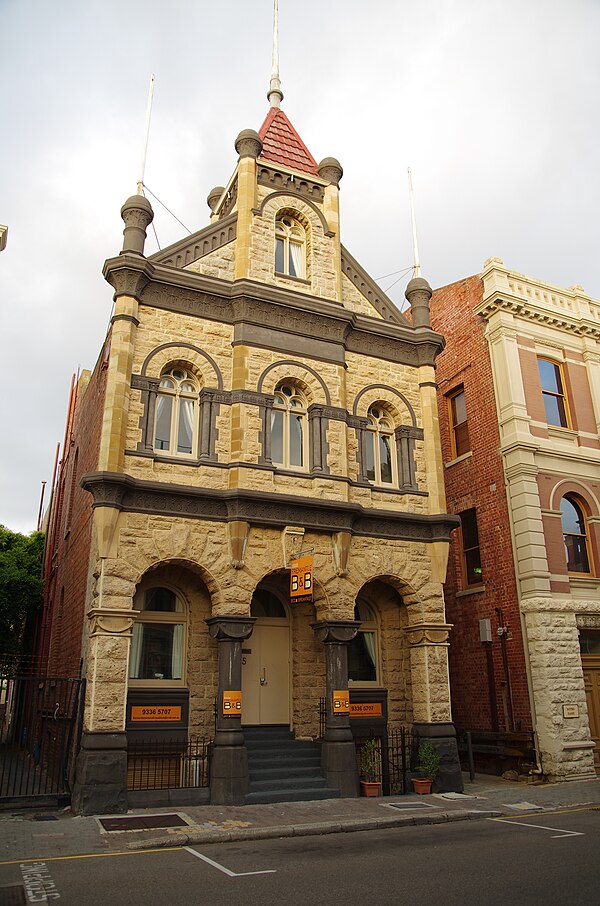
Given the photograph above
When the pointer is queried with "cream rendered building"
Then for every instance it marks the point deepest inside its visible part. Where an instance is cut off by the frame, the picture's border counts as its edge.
(544, 345)
(263, 397)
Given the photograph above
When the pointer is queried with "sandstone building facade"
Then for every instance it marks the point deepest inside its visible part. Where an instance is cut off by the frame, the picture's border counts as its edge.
(519, 404)
(257, 397)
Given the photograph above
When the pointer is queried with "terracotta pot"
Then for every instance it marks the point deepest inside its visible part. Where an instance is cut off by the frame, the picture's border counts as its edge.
(370, 788)
(422, 785)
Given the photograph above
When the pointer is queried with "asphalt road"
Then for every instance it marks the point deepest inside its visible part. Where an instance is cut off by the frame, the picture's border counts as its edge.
(525, 860)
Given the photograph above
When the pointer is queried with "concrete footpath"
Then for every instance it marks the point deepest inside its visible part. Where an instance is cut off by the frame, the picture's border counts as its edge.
(44, 834)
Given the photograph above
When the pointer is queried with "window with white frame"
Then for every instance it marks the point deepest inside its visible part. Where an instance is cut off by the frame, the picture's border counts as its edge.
(380, 444)
(290, 247)
(363, 657)
(289, 428)
(158, 638)
(176, 419)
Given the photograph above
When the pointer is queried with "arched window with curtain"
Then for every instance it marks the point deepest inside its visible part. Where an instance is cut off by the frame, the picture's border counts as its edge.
(381, 465)
(575, 535)
(363, 650)
(290, 247)
(176, 419)
(289, 428)
(158, 638)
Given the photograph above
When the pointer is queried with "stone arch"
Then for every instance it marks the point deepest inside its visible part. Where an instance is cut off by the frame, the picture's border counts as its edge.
(166, 353)
(278, 202)
(578, 489)
(384, 393)
(404, 589)
(135, 574)
(171, 564)
(387, 596)
(310, 382)
(191, 583)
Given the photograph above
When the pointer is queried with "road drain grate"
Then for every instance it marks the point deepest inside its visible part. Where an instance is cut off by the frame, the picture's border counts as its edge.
(141, 822)
(408, 805)
(12, 896)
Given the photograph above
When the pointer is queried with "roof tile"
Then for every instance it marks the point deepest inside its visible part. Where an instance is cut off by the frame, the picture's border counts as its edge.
(283, 145)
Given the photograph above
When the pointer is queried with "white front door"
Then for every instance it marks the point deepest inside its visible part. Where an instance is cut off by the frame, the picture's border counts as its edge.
(266, 674)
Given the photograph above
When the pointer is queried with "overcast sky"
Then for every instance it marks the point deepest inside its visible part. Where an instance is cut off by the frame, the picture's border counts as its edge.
(493, 104)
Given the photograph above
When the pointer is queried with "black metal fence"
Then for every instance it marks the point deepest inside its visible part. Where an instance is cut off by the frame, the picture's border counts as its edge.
(392, 753)
(39, 736)
(168, 764)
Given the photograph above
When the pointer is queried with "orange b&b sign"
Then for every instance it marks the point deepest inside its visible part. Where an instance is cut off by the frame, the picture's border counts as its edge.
(301, 580)
(232, 703)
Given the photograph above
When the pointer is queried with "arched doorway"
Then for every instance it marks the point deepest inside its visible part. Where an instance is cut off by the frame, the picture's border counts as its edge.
(266, 662)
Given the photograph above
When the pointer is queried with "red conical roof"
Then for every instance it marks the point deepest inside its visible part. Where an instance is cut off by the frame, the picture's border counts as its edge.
(283, 145)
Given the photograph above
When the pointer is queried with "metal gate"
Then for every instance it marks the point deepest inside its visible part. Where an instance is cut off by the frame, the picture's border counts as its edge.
(39, 735)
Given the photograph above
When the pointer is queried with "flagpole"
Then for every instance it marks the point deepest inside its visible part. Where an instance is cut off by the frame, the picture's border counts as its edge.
(140, 185)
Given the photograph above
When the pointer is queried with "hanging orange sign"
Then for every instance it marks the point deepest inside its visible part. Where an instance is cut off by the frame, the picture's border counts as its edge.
(301, 580)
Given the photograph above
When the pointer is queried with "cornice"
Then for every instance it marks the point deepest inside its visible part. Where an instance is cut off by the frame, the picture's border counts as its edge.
(187, 250)
(370, 290)
(570, 310)
(296, 314)
(276, 178)
(128, 494)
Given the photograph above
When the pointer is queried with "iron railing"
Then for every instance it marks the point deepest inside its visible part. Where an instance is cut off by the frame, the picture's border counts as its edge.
(393, 752)
(168, 764)
(39, 735)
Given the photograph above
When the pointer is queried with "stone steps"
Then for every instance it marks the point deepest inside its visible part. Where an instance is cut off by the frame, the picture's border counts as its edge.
(282, 768)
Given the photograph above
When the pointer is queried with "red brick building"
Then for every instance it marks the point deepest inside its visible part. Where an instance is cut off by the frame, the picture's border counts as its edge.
(519, 407)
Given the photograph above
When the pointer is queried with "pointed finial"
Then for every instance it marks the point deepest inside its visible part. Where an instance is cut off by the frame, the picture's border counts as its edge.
(275, 94)
(416, 265)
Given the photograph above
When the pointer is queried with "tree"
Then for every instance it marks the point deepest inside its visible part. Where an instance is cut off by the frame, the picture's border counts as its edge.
(20, 591)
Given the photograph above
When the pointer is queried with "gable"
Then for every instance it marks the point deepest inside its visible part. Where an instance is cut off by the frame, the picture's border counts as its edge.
(364, 291)
(198, 245)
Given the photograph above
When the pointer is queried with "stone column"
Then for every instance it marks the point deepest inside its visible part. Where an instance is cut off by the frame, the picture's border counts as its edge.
(338, 755)
(315, 417)
(431, 699)
(206, 403)
(100, 786)
(229, 764)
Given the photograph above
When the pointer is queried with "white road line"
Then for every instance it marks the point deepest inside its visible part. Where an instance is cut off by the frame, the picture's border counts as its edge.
(562, 833)
(226, 871)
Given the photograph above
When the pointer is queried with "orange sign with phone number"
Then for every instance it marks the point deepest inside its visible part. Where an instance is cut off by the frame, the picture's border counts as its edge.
(156, 712)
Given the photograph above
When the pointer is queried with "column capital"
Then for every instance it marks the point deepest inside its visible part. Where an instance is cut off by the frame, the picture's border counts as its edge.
(230, 628)
(336, 630)
(425, 634)
(111, 620)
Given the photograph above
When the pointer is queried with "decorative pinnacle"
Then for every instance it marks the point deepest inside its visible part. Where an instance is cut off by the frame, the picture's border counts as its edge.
(275, 94)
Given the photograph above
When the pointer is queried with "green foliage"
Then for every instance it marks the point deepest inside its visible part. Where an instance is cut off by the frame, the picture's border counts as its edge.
(428, 760)
(20, 588)
(368, 759)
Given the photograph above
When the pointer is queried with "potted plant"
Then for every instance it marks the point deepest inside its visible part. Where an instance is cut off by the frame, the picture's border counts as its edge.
(428, 766)
(369, 767)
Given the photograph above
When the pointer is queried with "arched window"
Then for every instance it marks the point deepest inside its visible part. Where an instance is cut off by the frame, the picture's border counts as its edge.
(290, 247)
(380, 464)
(289, 428)
(175, 424)
(574, 535)
(363, 658)
(157, 644)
